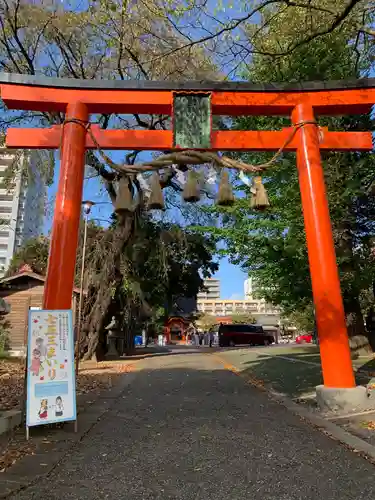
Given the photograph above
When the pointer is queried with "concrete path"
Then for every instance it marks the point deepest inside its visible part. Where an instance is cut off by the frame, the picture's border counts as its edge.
(188, 429)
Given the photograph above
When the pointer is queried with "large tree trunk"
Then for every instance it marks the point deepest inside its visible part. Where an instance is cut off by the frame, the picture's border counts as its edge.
(129, 344)
(109, 278)
(358, 336)
(129, 330)
(359, 343)
(96, 322)
(354, 317)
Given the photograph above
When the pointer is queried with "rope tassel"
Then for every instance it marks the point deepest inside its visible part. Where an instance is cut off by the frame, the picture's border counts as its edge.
(259, 198)
(225, 197)
(191, 192)
(156, 199)
(124, 199)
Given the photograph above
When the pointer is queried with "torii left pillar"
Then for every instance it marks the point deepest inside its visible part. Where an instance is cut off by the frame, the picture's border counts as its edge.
(64, 240)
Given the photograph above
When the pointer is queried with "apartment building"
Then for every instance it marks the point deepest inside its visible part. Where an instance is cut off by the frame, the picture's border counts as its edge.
(223, 307)
(264, 314)
(251, 288)
(22, 205)
(211, 290)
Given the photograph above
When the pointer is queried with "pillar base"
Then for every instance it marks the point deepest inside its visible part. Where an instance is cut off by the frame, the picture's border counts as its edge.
(112, 351)
(344, 400)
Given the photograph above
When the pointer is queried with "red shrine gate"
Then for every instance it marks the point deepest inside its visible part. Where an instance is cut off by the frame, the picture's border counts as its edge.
(78, 99)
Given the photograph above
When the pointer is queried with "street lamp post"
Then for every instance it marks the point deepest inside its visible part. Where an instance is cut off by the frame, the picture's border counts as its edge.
(87, 205)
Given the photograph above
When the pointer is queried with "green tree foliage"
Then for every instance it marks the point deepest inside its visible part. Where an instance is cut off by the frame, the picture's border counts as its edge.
(271, 245)
(206, 322)
(34, 253)
(302, 319)
(242, 318)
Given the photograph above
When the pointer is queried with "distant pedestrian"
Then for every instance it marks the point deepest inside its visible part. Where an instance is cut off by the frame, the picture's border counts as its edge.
(206, 338)
(277, 335)
(201, 336)
(211, 338)
(196, 339)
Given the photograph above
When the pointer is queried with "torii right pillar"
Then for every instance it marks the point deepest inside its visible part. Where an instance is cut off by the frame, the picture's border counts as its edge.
(339, 391)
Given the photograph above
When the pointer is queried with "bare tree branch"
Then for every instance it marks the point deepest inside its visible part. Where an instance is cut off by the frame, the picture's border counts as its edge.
(233, 24)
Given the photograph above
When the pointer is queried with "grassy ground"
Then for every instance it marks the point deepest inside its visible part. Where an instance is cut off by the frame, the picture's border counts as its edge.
(293, 371)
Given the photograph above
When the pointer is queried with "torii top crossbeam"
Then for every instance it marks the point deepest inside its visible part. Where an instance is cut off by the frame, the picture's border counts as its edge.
(228, 98)
(302, 102)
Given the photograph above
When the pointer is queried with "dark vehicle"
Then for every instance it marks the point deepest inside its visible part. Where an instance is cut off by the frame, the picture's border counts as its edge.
(231, 335)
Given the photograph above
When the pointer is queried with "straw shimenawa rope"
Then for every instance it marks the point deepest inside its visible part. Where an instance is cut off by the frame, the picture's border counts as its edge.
(189, 157)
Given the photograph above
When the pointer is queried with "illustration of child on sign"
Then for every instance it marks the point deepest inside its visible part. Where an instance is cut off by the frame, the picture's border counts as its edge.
(43, 412)
(35, 362)
(41, 347)
(59, 408)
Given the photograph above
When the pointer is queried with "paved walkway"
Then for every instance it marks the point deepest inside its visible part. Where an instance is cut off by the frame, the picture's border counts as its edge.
(187, 429)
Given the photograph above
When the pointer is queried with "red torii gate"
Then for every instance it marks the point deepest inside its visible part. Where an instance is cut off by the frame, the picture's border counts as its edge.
(78, 99)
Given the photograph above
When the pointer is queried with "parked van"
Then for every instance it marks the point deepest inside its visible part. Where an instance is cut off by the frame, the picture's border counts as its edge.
(231, 335)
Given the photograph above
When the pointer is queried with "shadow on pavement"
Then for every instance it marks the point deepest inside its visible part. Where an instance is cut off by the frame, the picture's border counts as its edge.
(368, 366)
(293, 379)
(154, 352)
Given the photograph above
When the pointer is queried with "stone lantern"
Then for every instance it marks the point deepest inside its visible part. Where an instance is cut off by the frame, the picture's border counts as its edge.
(112, 336)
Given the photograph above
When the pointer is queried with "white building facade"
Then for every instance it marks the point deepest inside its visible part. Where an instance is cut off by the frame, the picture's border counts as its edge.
(264, 314)
(248, 288)
(22, 203)
(211, 289)
(209, 302)
(251, 288)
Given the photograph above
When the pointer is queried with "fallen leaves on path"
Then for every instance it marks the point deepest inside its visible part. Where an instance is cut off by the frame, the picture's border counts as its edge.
(255, 382)
(93, 378)
(369, 425)
(11, 384)
(14, 450)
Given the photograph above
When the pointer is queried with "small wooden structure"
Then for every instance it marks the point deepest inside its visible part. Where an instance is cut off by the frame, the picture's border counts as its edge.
(181, 316)
(176, 329)
(23, 291)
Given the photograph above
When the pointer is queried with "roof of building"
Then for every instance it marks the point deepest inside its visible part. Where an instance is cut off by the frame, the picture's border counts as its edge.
(24, 276)
(183, 307)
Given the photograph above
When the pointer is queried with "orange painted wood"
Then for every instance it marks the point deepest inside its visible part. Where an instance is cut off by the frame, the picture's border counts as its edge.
(331, 102)
(97, 101)
(161, 140)
(49, 138)
(238, 140)
(333, 338)
(62, 257)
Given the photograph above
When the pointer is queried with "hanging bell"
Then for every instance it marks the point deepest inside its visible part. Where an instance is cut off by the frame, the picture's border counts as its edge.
(225, 197)
(259, 198)
(191, 192)
(156, 199)
(124, 199)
